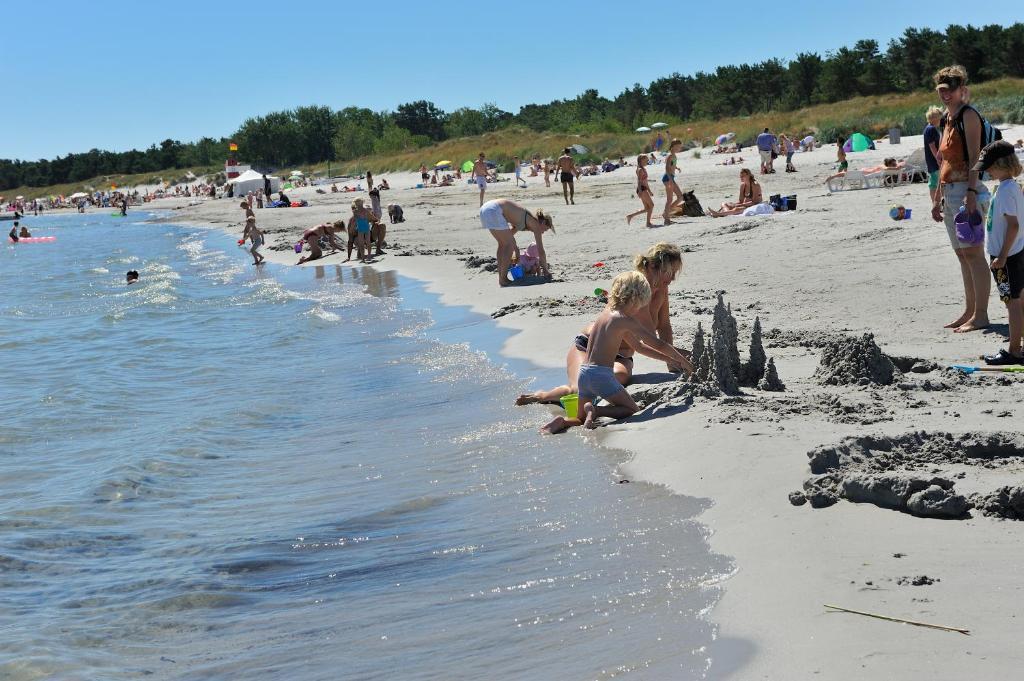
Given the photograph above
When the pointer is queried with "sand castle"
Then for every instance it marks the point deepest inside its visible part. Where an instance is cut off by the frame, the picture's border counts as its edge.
(717, 361)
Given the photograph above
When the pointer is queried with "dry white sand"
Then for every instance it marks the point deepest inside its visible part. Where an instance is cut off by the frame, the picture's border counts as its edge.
(836, 265)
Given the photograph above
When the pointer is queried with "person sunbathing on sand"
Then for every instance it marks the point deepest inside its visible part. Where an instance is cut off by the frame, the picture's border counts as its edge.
(312, 237)
(887, 164)
(749, 195)
(660, 266)
(630, 293)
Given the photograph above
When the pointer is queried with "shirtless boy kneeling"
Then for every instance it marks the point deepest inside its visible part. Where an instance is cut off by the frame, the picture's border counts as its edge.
(629, 295)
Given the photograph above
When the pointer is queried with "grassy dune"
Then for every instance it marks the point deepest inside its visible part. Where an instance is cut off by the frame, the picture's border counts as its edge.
(1000, 100)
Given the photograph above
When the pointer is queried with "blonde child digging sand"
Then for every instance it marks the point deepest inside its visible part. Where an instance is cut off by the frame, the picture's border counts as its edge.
(629, 295)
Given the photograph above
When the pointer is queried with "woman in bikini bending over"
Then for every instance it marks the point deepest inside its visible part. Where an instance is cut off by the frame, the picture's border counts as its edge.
(673, 194)
(503, 218)
(660, 265)
(643, 191)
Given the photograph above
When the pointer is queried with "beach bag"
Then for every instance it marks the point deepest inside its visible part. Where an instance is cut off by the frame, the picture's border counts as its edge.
(989, 133)
(789, 202)
(776, 201)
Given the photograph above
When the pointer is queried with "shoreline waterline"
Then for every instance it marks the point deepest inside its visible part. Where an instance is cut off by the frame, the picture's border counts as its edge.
(494, 465)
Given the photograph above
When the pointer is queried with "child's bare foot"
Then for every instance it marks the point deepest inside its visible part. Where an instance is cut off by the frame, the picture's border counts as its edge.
(629, 219)
(958, 322)
(527, 398)
(588, 422)
(651, 224)
(972, 325)
(555, 426)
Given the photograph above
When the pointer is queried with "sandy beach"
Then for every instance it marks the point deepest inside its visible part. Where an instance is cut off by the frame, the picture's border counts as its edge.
(837, 266)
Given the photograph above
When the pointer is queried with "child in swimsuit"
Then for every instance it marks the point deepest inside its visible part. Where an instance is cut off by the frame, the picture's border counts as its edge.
(256, 237)
(643, 191)
(629, 295)
(362, 217)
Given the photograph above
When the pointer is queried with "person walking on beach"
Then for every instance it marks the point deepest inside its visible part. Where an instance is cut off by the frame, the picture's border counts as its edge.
(932, 137)
(959, 147)
(518, 170)
(766, 144)
(841, 155)
(547, 172)
(789, 148)
(266, 186)
(643, 191)
(673, 194)
(255, 236)
(566, 168)
(480, 175)
(504, 218)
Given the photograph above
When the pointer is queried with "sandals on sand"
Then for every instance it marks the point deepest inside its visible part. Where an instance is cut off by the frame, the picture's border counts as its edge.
(1003, 358)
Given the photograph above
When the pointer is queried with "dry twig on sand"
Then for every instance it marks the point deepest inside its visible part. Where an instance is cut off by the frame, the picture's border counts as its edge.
(965, 632)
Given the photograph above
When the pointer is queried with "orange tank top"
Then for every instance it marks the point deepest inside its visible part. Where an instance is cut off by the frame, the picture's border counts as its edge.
(953, 167)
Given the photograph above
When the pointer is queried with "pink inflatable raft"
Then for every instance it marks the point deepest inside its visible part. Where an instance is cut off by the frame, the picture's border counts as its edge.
(33, 239)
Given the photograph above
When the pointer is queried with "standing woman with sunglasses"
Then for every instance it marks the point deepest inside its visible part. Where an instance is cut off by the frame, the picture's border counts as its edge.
(960, 145)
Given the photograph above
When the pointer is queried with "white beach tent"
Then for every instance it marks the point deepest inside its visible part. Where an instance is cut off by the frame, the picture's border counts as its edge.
(252, 181)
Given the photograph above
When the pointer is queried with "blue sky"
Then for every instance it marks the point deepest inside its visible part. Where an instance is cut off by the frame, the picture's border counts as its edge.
(121, 75)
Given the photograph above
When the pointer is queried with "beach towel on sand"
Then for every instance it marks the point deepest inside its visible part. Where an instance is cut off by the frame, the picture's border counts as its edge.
(759, 209)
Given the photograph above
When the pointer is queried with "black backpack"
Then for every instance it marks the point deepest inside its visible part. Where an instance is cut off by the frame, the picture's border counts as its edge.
(989, 132)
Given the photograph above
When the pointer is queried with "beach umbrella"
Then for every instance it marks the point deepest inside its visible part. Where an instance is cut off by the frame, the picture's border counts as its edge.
(643, 129)
(467, 166)
(858, 142)
(78, 195)
(725, 137)
(18, 198)
(580, 149)
(443, 165)
(659, 125)
(296, 173)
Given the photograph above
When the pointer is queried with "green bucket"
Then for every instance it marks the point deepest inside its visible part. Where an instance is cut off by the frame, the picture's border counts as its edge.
(571, 405)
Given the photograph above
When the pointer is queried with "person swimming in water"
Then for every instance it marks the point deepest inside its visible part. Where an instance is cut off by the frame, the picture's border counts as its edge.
(132, 277)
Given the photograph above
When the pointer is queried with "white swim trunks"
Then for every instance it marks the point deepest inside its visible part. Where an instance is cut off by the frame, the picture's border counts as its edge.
(481, 181)
(492, 217)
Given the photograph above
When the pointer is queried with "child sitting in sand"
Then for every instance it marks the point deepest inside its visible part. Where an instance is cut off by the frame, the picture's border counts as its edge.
(529, 260)
(629, 295)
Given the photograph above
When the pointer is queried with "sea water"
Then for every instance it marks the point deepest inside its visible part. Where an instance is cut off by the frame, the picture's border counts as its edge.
(306, 473)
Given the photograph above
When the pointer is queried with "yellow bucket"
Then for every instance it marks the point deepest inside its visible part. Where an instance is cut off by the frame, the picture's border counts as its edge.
(571, 405)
